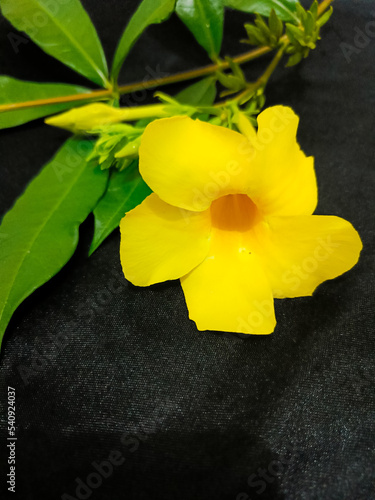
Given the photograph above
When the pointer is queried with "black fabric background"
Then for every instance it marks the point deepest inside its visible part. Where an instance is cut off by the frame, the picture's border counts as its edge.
(99, 365)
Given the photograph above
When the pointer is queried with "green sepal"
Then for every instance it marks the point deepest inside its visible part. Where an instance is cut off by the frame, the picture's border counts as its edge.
(262, 26)
(309, 24)
(295, 34)
(324, 18)
(275, 25)
(301, 13)
(314, 10)
(294, 59)
(256, 36)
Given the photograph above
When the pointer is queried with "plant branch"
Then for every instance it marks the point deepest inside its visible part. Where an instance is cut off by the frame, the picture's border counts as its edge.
(95, 94)
(263, 80)
(133, 87)
(260, 82)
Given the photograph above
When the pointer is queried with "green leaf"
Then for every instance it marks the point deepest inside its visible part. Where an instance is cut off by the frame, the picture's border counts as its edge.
(40, 233)
(314, 9)
(13, 91)
(125, 191)
(294, 34)
(256, 36)
(301, 13)
(275, 24)
(262, 26)
(201, 93)
(149, 12)
(324, 18)
(205, 19)
(63, 30)
(294, 59)
(309, 24)
(285, 9)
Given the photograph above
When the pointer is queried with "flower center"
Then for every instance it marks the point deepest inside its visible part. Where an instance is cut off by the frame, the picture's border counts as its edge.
(234, 212)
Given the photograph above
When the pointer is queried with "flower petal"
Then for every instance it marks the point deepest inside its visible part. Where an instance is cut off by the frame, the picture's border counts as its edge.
(284, 180)
(160, 242)
(189, 163)
(298, 253)
(229, 291)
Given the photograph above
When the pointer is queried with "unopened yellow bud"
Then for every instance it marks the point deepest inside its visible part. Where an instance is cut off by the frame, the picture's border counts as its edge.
(94, 116)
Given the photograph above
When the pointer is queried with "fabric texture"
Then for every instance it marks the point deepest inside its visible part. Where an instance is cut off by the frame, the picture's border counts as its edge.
(119, 396)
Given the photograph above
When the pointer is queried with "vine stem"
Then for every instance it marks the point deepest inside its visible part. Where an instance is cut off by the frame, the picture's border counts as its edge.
(104, 94)
(261, 81)
(133, 87)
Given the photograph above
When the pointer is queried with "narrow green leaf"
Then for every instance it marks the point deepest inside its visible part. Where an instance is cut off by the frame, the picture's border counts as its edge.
(294, 34)
(294, 59)
(324, 18)
(314, 9)
(285, 9)
(262, 26)
(63, 30)
(309, 24)
(41, 230)
(301, 12)
(252, 35)
(125, 191)
(256, 35)
(149, 12)
(201, 93)
(13, 91)
(205, 19)
(275, 24)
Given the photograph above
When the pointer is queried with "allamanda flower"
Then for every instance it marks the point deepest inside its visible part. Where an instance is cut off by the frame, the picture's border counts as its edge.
(231, 217)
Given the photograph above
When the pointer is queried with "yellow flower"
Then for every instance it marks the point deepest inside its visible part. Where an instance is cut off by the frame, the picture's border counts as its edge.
(231, 217)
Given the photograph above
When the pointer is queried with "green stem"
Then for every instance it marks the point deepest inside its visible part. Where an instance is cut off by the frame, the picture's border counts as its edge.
(138, 112)
(98, 95)
(261, 82)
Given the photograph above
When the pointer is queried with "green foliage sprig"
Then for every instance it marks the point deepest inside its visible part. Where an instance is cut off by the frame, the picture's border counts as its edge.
(300, 36)
(97, 172)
